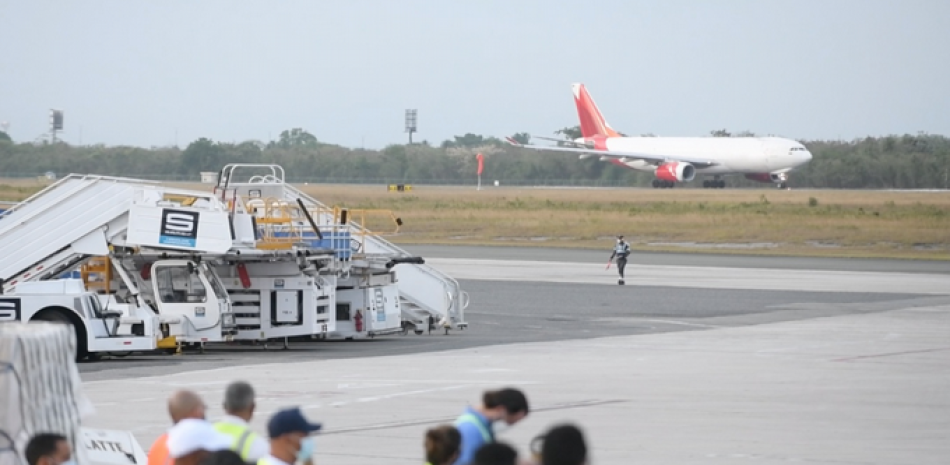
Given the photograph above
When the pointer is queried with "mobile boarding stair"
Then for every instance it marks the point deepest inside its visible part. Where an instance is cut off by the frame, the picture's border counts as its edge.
(84, 216)
(429, 298)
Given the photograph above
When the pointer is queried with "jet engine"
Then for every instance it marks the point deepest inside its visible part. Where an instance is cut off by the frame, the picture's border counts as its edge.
(676, 172)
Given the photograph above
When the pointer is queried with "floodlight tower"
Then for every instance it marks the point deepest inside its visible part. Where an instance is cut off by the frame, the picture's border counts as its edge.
(410, 123)
(55, 123)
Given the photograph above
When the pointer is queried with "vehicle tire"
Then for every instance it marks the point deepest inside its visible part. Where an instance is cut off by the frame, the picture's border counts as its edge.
(58, 316)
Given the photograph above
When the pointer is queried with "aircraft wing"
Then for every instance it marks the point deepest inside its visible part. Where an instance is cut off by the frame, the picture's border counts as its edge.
(562, 141)
(626, 156)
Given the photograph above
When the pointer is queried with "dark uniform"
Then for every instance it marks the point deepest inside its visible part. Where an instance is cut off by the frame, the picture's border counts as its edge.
(621, 251)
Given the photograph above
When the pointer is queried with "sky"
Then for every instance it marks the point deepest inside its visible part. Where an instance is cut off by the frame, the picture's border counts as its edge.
(159, 73)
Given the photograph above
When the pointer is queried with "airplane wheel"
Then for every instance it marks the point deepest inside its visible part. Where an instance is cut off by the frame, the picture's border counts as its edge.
(656, 183)
(705, 184)
(721, 184)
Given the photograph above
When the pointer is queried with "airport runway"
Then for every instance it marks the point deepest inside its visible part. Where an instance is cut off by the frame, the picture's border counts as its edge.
(524, 295)
(698, 359)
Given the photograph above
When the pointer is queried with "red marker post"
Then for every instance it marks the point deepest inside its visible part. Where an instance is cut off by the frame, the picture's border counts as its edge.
(481, 167)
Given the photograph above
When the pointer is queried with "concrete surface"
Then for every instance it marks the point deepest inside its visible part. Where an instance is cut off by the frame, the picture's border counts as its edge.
(681, 259)
(694, 276)
(869, 389)
(689, 365)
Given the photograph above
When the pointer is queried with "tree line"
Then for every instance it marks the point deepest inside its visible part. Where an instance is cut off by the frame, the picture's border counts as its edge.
(909, 161)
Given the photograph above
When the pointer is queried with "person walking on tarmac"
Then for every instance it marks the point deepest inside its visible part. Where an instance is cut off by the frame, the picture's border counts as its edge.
(478, 426)
(621, 251)
(239, 405)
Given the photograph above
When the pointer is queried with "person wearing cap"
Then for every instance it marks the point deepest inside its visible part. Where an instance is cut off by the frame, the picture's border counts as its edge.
(621, 251)
(290, 440)
(191, 440)
(239, 405)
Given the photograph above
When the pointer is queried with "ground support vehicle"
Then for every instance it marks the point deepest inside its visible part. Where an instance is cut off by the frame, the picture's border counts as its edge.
(81, 217)
(284, 286)
(428, 298)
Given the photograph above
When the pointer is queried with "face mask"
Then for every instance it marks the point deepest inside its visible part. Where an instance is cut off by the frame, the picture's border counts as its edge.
(500, 426)
(306, 449)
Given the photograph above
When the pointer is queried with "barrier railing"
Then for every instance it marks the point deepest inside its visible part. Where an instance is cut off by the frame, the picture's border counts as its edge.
(281, 224)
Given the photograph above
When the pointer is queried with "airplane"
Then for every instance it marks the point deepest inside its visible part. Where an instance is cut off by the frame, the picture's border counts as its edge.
(679, 159)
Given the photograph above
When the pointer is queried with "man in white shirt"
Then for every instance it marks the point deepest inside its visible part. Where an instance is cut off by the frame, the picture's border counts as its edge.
(239, 405)
(290, 440)
(191, 440)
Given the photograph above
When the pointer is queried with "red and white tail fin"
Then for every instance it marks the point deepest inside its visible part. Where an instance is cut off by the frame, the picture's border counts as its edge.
(592, 122)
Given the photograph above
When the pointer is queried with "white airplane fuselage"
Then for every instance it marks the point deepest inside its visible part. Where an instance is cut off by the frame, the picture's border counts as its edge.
(743, 155)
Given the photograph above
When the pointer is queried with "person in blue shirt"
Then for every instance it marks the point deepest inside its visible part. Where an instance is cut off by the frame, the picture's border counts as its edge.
(478, 425)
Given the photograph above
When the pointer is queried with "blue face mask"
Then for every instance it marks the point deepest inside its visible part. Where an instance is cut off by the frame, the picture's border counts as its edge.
(306, 449)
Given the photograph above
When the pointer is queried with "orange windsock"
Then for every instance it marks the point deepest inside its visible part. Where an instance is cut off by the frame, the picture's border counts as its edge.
(481, 163)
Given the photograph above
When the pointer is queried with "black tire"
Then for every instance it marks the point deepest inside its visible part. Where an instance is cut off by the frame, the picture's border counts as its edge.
(59, 316)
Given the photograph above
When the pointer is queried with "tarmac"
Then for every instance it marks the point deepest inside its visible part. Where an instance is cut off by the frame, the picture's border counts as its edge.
(695, 360)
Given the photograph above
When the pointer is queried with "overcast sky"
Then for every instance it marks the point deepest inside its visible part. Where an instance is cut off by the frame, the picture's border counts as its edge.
(150, 73)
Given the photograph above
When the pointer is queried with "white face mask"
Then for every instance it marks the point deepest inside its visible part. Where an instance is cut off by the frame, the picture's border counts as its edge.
(500, 426)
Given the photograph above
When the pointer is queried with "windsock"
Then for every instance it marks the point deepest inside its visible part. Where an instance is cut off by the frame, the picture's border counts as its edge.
(481, 163)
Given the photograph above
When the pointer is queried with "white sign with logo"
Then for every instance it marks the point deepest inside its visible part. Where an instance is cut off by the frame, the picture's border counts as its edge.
(181, 228)
(111, 447)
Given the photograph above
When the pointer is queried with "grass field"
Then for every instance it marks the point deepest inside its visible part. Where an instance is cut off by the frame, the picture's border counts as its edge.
(798, 222)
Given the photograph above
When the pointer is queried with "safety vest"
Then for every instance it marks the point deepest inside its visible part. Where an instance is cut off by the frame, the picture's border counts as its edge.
(158, 454)
(469, 418)
(243, 437)
(622, 248)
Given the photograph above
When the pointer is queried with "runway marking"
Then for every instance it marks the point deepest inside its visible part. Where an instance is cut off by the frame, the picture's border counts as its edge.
(402, 424)
(890, 354)
(674, 322)
(695, 276)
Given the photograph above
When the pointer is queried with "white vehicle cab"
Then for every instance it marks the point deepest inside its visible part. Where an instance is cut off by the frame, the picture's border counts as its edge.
(81, 217)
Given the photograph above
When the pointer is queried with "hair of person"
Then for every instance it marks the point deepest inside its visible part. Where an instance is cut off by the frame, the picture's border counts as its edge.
(223, 457)
(238, 396)
(442, 443)
(513, 400)
(563, 445)
(40, 445)
(495, 453)
(182, 403)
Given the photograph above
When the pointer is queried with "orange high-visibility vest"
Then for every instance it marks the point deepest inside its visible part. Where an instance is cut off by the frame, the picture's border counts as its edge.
(158, 454)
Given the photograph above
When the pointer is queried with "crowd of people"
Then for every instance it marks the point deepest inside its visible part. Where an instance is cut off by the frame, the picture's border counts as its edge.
(193, 440)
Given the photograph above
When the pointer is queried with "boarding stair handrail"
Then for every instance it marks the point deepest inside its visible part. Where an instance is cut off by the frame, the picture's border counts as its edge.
(458, 299)
(71, 177)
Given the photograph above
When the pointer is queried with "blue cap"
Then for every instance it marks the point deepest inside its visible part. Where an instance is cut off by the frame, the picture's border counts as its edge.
(290, 421)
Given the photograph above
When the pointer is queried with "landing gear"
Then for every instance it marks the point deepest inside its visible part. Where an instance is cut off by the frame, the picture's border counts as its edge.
(782, 181)
(659, 183)
(714, 184)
